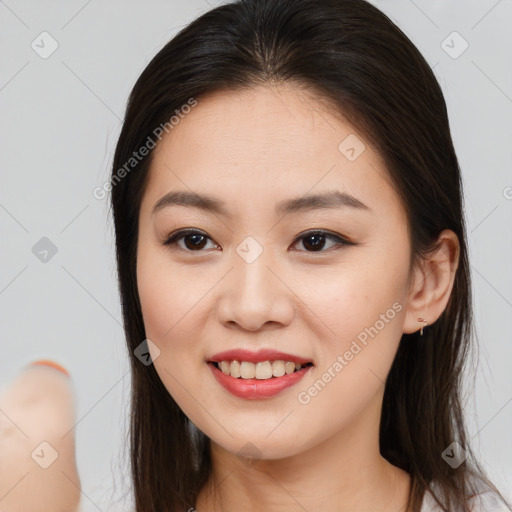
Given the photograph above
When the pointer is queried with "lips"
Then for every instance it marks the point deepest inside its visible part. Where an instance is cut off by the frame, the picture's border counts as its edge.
(257, 357)
(254, 389)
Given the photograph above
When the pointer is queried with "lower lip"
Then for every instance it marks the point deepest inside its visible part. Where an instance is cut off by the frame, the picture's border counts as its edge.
(254, 389)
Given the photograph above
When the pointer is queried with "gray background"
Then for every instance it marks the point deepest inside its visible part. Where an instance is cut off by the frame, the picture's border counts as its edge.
(60, 119)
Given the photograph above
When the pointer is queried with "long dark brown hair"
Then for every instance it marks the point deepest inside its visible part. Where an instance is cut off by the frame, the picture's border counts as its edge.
(363, 66)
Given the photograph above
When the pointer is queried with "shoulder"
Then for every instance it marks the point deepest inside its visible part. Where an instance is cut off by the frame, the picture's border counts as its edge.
(484, 501)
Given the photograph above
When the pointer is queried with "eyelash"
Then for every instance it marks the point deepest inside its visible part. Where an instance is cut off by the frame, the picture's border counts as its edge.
(173, 239)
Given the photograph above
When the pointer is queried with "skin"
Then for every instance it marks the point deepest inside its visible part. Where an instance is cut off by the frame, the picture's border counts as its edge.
(323, 455)
(38, 407)
(253, 149)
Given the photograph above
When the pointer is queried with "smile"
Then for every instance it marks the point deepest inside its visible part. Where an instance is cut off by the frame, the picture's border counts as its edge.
(263, 370)
(254, 388)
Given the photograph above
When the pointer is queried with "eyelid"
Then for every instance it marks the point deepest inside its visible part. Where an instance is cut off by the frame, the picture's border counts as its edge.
(324, 232)
(180, 233)
(339, 239)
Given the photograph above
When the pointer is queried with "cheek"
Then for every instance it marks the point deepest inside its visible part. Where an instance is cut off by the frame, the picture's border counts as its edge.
(352, 295)
(170, 302)
(360, 308)
(353, 363)
(169, 294)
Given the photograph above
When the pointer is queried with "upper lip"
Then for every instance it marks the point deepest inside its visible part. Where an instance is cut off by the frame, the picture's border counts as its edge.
(257, 357)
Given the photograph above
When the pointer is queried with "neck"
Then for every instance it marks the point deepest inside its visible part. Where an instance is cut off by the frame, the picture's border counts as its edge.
(343, 473)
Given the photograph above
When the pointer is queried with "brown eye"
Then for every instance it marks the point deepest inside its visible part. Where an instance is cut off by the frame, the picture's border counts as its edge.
(315, 241)
(194, 241)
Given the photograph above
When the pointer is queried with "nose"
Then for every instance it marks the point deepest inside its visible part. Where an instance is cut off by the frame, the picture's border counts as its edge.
(255, 295)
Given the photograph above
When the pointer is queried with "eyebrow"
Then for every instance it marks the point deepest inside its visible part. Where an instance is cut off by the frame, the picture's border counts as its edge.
(325, 200)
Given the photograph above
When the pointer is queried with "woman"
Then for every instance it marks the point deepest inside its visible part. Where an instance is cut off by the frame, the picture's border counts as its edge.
(293, 269)
(303, 202)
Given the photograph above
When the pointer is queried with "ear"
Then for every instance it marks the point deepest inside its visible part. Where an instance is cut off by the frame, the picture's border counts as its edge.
(432, 283)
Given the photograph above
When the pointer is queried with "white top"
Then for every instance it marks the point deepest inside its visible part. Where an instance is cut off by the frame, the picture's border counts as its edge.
(485, 502)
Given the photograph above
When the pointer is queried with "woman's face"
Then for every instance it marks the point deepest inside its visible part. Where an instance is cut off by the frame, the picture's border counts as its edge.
(259, 274)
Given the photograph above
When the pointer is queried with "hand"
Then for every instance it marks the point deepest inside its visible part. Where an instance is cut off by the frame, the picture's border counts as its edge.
(38, 470)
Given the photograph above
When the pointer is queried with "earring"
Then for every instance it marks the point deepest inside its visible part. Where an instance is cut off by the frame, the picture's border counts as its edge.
(425, 325)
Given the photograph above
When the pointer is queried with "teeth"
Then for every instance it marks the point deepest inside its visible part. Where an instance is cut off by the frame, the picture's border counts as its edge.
(263, 370)
(278, 368)
(224, 366)
(235, 369)
(247, 370)
(289, 368)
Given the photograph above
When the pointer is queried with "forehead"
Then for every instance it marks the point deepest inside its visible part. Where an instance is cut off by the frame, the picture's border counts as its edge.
(257, 124)
(266, 142)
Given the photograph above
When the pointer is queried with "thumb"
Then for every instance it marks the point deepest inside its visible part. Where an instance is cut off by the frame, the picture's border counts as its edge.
(37, 441)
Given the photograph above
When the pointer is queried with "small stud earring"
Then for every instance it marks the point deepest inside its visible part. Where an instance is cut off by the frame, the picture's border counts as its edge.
(425, 325)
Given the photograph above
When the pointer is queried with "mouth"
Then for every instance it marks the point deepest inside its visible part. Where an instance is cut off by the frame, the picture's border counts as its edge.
(263, 370)
(258, 381)
(257, 375)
